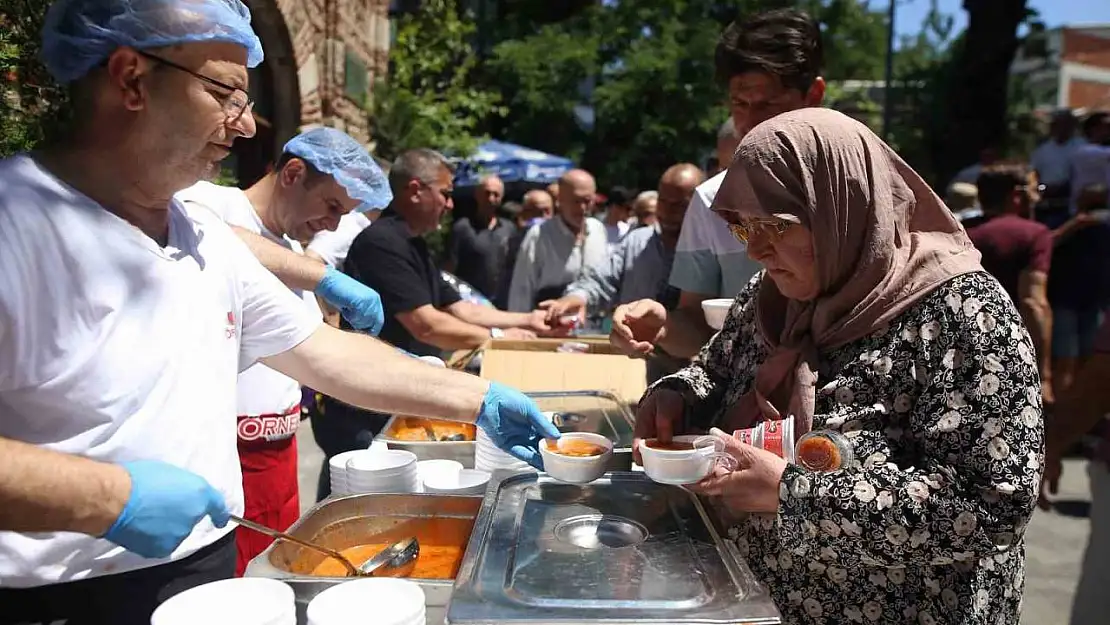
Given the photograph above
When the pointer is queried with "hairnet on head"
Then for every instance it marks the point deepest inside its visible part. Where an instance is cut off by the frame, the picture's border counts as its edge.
(338, 155)
(78, 35)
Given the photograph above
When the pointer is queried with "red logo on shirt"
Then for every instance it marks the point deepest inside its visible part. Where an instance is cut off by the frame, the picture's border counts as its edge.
(230, 332)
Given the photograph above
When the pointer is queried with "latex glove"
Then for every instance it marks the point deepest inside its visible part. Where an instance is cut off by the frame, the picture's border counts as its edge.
(515, 423)
(165, 503)
(359, 304)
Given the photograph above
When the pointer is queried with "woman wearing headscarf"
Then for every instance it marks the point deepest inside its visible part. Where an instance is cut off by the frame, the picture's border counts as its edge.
(875, 321)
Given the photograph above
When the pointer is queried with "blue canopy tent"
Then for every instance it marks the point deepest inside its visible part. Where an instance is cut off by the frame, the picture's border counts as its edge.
(511, 163)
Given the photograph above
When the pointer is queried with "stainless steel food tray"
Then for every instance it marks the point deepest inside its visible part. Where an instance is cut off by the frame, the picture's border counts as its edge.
(331, 523)
(622, 550)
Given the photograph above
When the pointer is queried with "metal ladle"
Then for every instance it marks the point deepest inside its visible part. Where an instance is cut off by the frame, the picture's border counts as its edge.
(352, 570)
(396, 556)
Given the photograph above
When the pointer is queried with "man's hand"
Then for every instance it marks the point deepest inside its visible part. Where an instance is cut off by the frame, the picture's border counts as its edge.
(165, 503)
(568, 310)
(515, 423)
(638, 327)
(360, 305)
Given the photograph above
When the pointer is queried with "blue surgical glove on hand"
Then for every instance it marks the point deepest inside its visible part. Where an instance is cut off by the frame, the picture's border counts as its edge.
(515, 423)
(359, 304)
(165, 503)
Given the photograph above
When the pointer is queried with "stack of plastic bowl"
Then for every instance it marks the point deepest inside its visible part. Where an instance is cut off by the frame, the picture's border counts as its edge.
(488, 457)
(379, 600)
(337, 467)
(436, 469)
(243, 601)
(464, 482)
(391, 471)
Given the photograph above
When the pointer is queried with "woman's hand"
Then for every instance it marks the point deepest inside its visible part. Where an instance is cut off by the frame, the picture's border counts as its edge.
(754, 487)
(658, 417)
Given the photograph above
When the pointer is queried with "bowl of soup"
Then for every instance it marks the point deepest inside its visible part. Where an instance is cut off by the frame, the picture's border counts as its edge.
(683, 459)
(576, 457)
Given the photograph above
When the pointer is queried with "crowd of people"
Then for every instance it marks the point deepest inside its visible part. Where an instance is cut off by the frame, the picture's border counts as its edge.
(143, 310)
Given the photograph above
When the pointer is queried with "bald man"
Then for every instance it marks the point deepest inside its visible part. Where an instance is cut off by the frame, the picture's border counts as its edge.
(558, 251)
(640, 267)
(538, 205)
(479, 244)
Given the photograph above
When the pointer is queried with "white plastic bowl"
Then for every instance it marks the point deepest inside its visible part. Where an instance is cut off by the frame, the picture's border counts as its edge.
(382, 601)
(716, 311)
(684, 466)
(465, 482)
(244, 601)
(577, 469)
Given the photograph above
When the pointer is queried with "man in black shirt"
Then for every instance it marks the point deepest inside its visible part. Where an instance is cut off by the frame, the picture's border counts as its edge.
(423, 314)
(478, 245)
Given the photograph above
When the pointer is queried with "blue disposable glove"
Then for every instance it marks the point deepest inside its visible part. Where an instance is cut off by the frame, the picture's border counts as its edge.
(165, 503)
(515, 423)
(359, 304)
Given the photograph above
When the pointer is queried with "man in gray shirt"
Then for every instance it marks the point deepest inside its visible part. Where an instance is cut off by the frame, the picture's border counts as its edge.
(640, 267)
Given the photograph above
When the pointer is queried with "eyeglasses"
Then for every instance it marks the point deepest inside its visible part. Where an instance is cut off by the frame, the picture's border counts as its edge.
(235, 103)
(744, 231)
(446, 193)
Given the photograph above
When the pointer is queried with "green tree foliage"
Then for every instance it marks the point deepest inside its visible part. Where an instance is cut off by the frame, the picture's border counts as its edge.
(429, 99)
(32, 107)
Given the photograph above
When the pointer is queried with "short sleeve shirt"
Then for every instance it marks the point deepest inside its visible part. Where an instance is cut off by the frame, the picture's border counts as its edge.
(709, 260)
(116, 348)
(1011, 245)
(398, 265)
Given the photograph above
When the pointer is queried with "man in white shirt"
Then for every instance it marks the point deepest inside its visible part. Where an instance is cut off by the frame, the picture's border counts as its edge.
(772, 64)
(125, 318)
(322, 174)
(557, 252)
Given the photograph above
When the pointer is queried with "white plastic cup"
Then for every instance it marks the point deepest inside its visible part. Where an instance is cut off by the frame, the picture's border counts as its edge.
(243, 601)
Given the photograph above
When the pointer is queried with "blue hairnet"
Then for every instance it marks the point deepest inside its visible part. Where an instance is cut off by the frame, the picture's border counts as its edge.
(336, 154)
(78, 35)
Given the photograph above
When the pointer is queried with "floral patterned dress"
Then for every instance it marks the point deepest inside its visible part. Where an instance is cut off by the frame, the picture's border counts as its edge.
(943, 410)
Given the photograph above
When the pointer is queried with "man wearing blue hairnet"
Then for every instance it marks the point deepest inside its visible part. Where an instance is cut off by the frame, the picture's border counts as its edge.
(322, 174)
(126, 317)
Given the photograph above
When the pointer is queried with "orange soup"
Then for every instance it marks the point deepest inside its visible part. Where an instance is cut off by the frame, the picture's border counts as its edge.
(671, 446)
(417, 429)
(576, 447)
(442, 545)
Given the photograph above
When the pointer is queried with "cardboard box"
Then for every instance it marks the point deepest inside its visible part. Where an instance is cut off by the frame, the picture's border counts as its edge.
(537, 365)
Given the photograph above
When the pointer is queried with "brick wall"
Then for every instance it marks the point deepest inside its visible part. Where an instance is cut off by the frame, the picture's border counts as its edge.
(1087, 94)
(1080, 47)
(323, 32)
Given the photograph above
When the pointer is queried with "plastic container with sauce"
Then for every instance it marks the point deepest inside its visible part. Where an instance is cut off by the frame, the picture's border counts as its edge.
(824, 450)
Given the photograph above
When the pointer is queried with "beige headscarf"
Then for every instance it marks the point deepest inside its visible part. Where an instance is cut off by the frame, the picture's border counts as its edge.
(882, 241)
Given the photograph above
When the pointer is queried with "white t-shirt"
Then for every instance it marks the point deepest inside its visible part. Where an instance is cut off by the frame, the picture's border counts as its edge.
(117, 349)
(708, 259)
(332, 246)
(262, 391)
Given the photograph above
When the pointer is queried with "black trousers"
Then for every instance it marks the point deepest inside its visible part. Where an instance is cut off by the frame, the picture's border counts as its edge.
(125, 599)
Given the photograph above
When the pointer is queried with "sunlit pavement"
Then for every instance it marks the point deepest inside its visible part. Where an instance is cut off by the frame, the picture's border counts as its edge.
(1054, 540)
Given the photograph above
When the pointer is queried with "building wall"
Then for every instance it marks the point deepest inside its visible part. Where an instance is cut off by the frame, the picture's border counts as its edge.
(1086, 48)
(1086, 94)
(329, 37)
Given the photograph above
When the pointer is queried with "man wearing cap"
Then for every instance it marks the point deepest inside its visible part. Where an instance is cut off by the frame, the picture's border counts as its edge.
(126, 317)
(321, 175)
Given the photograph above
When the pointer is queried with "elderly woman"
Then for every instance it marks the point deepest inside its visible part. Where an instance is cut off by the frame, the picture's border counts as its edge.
(873, 319)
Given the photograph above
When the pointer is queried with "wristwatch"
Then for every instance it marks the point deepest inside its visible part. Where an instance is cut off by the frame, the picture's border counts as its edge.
(497, 333)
